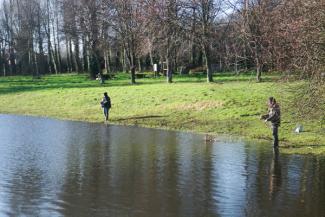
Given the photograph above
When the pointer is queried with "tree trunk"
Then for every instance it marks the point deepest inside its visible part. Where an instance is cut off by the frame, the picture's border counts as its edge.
(169, 73)
(139, 65)
(30, 56)
(94, 65)
(106, 61)
(208, 64)
(132, 59)
(85, 61)
(236, 64)
(245, 58)
(36, 68)
(133, 74)
(53, 62)
(69, 67)
(258, 61)
(49, 53)
(193, 54)
(245, 5)
(258, 71)
(73, 68)
(76, 54)
(4, 63)
(151, 58)
(12, 59)
(40, 46)
(175, 63)
(107, 58)
(124, 67)
(88, 60)
(58, 54)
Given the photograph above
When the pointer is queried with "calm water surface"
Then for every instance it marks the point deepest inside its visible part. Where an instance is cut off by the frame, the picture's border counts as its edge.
(61, 168)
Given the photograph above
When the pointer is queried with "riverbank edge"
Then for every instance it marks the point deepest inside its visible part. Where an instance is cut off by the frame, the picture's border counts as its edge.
(286, 147)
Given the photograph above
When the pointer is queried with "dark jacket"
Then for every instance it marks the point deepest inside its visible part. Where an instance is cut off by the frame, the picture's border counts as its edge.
(274, 115)
(106, 102)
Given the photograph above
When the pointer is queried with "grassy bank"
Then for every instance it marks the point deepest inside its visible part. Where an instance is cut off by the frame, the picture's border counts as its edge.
(230, 105)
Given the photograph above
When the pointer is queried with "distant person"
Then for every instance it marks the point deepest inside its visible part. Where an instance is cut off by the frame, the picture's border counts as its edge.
(101, 79)
(106, 105)
(274, 116)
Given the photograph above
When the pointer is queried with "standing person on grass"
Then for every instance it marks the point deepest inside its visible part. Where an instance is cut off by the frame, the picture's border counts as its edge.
(106, 105)
(274, 116)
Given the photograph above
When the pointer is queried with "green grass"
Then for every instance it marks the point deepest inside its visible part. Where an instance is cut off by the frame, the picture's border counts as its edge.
(231, 105)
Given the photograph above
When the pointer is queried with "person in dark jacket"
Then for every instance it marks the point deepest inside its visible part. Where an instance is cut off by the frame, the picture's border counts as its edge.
(106, 105)
(273, 116)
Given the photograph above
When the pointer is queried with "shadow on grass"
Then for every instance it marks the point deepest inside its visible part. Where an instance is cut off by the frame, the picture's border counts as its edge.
(223, 78)
(25, 88)
(18, 84)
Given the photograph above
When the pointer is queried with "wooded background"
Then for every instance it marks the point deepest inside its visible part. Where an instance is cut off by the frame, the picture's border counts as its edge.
(56, 36)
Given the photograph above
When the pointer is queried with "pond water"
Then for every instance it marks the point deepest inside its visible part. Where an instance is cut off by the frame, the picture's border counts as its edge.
(62, 168)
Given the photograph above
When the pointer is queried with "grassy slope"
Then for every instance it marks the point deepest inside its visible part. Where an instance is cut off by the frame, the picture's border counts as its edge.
(231, 105)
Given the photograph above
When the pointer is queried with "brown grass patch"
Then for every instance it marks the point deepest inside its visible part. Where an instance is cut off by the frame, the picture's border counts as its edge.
(197, 106)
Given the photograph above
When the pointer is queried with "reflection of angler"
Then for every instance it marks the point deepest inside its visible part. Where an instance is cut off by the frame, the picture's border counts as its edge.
(275, 174)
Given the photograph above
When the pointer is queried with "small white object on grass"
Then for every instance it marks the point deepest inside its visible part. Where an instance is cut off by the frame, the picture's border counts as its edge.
(299, 129)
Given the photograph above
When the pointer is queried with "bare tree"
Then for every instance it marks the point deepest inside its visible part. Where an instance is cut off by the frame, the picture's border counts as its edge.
(127, 24)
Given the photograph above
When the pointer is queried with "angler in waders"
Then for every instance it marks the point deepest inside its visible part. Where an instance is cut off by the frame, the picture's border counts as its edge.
(273, 116)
